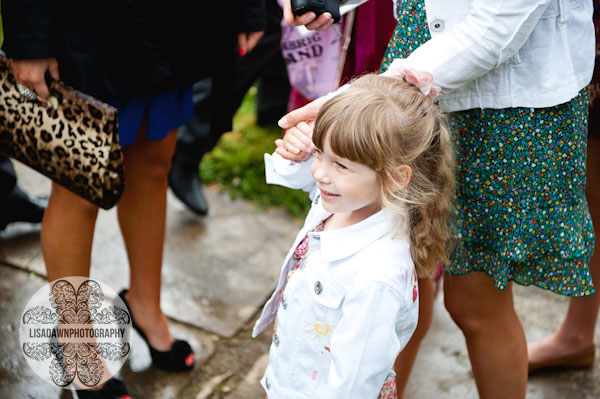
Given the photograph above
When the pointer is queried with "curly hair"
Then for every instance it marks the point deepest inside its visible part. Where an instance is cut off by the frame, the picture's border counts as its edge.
(385, 123)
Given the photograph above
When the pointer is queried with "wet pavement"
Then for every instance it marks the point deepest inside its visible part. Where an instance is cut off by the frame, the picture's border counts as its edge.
(218, 271)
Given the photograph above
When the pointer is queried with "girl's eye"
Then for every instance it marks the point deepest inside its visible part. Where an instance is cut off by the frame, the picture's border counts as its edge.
(340, 165)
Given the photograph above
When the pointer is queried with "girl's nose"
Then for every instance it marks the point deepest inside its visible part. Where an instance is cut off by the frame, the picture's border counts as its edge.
(319, 172)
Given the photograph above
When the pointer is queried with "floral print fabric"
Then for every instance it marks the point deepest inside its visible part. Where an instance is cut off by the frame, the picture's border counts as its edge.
(521, 213)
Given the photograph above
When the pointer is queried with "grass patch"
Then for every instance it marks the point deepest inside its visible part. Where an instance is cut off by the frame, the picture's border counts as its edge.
(237, 163)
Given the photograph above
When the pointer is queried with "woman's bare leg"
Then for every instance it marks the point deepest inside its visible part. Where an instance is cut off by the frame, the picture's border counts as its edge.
(142, 217)
(406, 359)
(493, 333)
(577, 330)
(67, 234)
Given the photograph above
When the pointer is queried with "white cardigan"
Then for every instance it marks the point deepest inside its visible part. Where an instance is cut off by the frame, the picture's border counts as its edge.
(345, 314)
(507, 53)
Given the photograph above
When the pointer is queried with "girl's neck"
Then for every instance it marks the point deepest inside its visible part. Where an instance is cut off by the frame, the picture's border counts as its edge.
(345, 219)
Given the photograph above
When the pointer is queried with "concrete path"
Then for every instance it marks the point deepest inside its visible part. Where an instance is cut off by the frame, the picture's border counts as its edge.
(218, 272)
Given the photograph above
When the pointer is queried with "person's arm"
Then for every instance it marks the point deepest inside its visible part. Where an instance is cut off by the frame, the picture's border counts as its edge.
(376, 324)
(253, 25)
(30, 41)
(491, 33)
(29, 29)
(289, 174)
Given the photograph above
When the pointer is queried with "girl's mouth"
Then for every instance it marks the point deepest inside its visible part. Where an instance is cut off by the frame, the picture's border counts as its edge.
(327, 195)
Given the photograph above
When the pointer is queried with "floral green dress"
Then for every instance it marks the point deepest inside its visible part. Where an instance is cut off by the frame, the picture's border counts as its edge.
(521, 213)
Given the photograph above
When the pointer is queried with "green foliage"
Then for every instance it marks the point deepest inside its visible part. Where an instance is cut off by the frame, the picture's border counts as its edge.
(237, 163)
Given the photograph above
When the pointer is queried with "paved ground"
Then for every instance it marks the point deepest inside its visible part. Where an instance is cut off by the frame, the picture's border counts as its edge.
(218, 272)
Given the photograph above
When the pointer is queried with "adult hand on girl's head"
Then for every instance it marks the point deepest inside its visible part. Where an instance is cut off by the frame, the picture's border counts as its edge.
(296, 144)
(308, 113)
(31, 73)
(309, 19)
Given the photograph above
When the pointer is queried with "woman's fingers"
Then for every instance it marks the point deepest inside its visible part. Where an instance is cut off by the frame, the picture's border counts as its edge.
(302, 114)
(40, 88)
(306, 129)
(253, 38)
(323, 22)
(53, 69)
(294, 20)
(31, 73)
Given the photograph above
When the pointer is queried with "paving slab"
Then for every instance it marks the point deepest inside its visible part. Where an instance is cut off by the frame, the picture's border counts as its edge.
(443, 371)
(145, 381)
(217, 271)
(17, 379)
(249, 387)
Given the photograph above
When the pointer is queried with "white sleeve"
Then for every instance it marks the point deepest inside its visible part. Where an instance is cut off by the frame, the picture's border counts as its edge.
(376, 324)
(491, 33)
(283, 172)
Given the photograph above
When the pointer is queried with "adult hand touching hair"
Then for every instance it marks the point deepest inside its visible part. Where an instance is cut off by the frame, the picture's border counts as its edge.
(300, 122)
(31, 73)
(306, 113)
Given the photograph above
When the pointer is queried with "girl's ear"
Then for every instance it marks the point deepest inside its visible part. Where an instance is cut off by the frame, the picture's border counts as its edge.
(403, 175)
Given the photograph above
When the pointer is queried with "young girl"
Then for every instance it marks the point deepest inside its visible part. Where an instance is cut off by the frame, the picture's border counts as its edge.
(381, 181)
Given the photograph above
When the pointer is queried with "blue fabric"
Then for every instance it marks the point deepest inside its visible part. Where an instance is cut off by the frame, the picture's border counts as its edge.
(165, 112)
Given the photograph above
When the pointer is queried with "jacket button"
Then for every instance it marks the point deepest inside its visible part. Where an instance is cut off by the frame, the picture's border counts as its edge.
(318, 288)
(275, 340)
(283, 303)
(316, 200)
(267, 383)
(437, 25)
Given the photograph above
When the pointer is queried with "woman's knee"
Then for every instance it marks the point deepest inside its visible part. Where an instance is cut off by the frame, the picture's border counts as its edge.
(474, 303)
(150, 159)
(151, 167)
(62, 198)
(456, 304)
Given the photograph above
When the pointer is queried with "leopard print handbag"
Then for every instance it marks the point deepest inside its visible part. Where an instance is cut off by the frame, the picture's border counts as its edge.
(72, 140)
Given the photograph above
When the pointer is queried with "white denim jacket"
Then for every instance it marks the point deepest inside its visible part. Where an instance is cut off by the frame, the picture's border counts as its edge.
(346, 313)
(507, 53)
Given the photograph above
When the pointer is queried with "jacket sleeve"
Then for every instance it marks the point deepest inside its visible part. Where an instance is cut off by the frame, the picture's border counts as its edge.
(254, 16)
(377, 322)
(491, 33)
(289, 174)
(29, 28)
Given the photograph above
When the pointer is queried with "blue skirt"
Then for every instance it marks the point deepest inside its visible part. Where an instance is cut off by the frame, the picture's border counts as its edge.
(164, 112)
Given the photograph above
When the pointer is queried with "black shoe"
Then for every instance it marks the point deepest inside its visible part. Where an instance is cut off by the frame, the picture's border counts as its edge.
(179, 358)
(112, 389)
(19, 207)
(185, 184)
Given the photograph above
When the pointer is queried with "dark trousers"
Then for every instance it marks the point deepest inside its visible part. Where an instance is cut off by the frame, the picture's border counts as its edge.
(8, 178)
(264, 65)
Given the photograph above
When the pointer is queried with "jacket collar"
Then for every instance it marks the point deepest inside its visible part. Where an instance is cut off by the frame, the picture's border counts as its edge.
(341, 243)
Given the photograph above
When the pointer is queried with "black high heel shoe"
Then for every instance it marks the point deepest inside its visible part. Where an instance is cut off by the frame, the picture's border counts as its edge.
(112, 389)
(179, 358)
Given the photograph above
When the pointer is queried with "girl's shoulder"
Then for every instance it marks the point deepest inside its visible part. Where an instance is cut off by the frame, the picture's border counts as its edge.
(385, 261)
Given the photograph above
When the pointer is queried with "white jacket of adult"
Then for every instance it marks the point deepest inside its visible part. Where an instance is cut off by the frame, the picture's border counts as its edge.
(507, 53)
(347, 312)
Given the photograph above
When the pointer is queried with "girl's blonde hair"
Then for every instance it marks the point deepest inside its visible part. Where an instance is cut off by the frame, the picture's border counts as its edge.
(384, 123)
